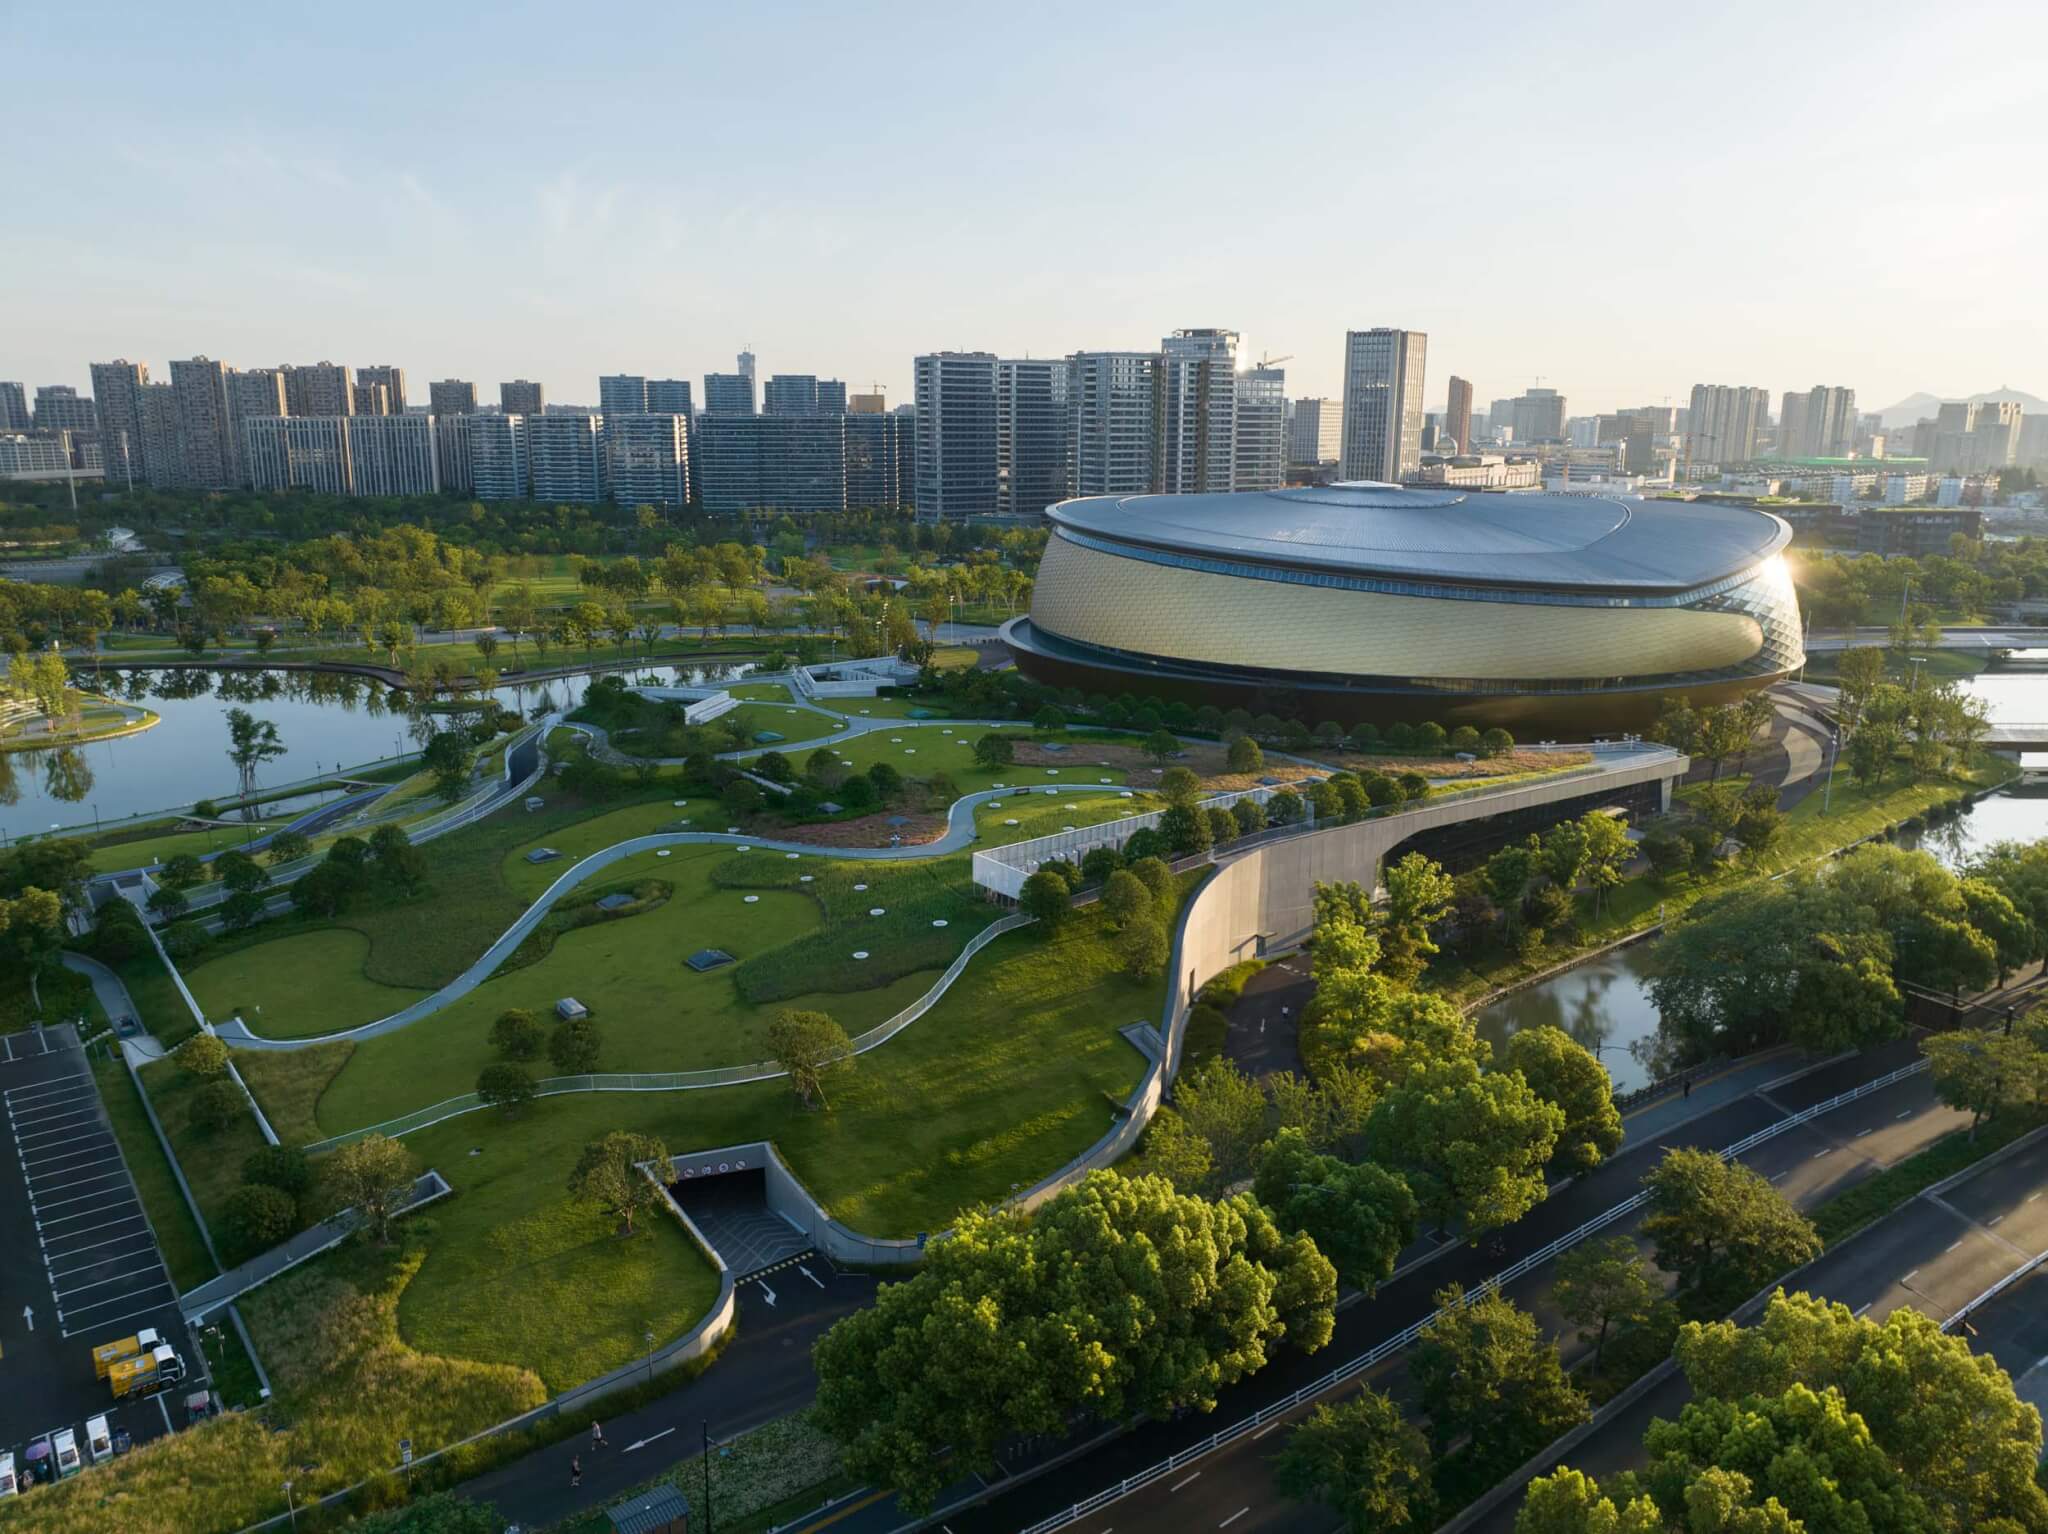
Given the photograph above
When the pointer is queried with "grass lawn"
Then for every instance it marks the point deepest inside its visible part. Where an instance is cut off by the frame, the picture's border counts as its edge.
(760, 692)
(158, 1006)
(288, 1083)
(956, 657)
(791, 723)
(1941, 665)
(886, 705)
(1017, 1070)
(177, 1232)
(606, 829)
(212, 1163)
(653, 1012)
(1040, 814)
(108, 857)
(267, 984)
(919, 750)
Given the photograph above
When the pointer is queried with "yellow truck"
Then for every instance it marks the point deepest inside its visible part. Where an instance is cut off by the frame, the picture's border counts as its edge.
(107, 1354)
(146, 1373)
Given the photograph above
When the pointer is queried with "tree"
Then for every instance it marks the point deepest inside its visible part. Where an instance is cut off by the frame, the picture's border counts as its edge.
(1045, 896)
(1496, 742)
(1359, 1216)
(258, 1217)
(451, 758)
(1475, 1143)
(1248, 816)
(1285, 808)
(1568, 1502)
(808, 1045)
(517, 1034)
(180, 872)
(241, 910)
(395, 861)
(1098, 864)
(1124, 896)
(1601, 1282)
(1419, 896)
(239, 872)
(573, 1049)
(204, 1055)
(1716, 1221)
(506, 1086)
(1945, 1417)
(251, 743)
(994, 750)
(287, 847)
(608, 1174)
(1363, 1461)
(1186, 829)
(1143, 946)
(1117, 1296)
(1758, 820)
(1669, 854)
(1226, 1108)
(1161, 745)
(167, 904)
(1857, 672)
(1987, 1074)
(1563, 1072)
(1155, 876)
(1178, 1154)
(283, 1167)
(1507, 874)
(216, 1105)
(1481, 1367)
(1049, 720)
(1242, 755)
(1179, 787)
(374, 1176)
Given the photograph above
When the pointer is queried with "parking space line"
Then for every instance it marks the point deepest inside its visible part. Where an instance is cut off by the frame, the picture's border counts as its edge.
(28, 1094)
(67, 1147)
(83, 1214)
(119, 1278)
(83, 1198)
(76, 1182)
(73, 1312)
(49, 1102)
(79, 1251)
(98, 1152)
(104, 1322)
(75, 1131)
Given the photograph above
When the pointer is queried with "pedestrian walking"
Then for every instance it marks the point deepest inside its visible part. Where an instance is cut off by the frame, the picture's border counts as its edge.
(597, 1439)
(1688, 1086)
(575, 1471)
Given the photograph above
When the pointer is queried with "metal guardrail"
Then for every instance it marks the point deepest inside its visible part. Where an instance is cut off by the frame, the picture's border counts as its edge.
(690, 1081)
(1406, 1337)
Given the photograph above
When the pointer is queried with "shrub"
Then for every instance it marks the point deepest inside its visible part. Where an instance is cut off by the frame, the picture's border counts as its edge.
(506, 1086)
(1064, 870)
(204, 1055)
(258, 1216)
(1244, 755)
(1049, 720)
(994, 750)
(1046, 897)
(1413, 785)
(741, 797)
(1365, 738)
(1465, 739)
(282, 1167)
(1496, 742)
(887, 780)
(1430, 738)
(216, 1105)
(857, 793)
(1222, 824)
(1186, 829)
(1096, 867)
(1250, 816)
(1285, 808)
(775, 767)
(1145, 842)
(518, 1034)
(1156, 877)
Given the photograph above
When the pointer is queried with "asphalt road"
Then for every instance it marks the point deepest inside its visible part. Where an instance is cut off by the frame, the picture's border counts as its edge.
(764, 1373)
(81, 1264)
(1265, 1023)
(1936, 1254)
(1807, 1163)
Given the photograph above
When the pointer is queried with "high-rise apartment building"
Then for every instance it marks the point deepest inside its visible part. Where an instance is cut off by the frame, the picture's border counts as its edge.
(881, 460)
(14, 414)
(522, 397)
(369, 399)
(873, 402)
(211, 458)
(452, 461)
(390, 454)
(117, 398)
(728, 394)
(1314, 431)
(1458, 416)
(319, 388)
(254, 394)
(1792, 430)
(1723, 423)
(563, 459)
(956, 434)
(803, 394)
(622, 394)
(1198, 411)
(1538, 416)
(298, 453)
(451, 396)
(1261, 452)
(1113, 428)
(1821, 423)
(791, 463)
(647, 458)
(1383, 381)
(59, 407)
(393, 380)
(1977, 438)
(669, 396)
(497, 457)
(1031, 434)
(162, 448)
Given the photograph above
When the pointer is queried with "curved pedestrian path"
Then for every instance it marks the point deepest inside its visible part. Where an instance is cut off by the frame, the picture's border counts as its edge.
(960, 834)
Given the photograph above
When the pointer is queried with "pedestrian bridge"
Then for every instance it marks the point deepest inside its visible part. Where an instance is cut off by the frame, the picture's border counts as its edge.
(2013, 739)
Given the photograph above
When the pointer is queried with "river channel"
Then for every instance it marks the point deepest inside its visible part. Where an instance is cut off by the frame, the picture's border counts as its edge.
(326, 721)
(1605, 1002)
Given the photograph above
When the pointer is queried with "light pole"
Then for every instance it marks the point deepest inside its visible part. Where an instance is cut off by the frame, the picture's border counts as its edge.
(291, 1506)
(1834, 749)
(648, 1333)
(1947, 1316)
(1916, 662)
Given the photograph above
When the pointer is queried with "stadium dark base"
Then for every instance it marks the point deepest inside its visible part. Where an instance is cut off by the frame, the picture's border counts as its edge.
(1528, 716)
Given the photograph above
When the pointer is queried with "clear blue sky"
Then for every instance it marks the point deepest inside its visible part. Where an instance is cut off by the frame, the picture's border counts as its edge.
(1622, 199)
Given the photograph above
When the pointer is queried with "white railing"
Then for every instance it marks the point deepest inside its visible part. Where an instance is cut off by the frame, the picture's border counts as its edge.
(1406, 1337)
(689, 1081)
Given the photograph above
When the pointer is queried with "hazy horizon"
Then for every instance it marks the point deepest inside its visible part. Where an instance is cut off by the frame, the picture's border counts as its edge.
(1764, 195)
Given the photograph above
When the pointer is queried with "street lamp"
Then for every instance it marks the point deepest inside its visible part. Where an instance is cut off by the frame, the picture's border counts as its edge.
(648, 1333)
(1834, 749)
(291, 1506)
(1916, 661)
(1948, 1317)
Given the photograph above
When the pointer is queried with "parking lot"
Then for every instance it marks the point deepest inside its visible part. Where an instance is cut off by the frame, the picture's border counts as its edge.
(83, 1263)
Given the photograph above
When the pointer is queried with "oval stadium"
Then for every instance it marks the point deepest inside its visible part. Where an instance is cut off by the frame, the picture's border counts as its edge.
(1540, 613)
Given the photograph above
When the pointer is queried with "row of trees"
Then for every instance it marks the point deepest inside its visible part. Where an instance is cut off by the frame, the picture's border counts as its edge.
(1928, 731)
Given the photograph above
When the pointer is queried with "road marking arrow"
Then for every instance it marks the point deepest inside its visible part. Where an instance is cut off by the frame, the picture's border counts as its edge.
(641, 1443)
(807, 1273)
(767, 1293)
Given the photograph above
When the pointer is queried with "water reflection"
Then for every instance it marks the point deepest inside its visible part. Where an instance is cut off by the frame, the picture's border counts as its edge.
(1603, 1003)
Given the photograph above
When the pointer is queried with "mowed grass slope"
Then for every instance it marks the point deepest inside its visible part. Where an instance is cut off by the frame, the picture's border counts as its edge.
(292, 987)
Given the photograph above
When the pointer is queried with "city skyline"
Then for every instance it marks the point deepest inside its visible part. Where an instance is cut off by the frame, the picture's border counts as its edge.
(373, 240)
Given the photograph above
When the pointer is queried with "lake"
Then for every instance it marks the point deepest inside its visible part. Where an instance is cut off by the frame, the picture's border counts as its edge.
(326, 721)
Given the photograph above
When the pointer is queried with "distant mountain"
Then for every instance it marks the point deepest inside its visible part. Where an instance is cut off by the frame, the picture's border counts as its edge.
(1914, 406)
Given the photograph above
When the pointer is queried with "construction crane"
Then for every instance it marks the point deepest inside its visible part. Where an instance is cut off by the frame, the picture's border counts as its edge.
(1273, 362)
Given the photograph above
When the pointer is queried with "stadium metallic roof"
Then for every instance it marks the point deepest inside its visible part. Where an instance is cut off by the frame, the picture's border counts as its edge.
(1477, 537)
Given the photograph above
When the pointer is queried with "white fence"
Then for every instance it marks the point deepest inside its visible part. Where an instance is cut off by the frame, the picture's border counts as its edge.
(1406, 1337)
(700, 704)
(1003, 870)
